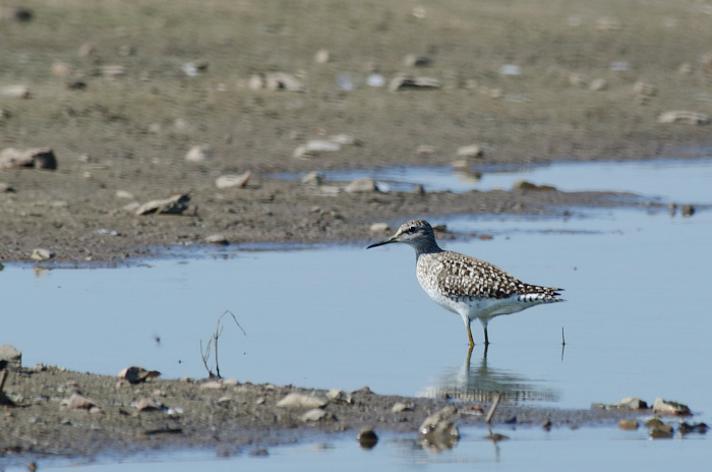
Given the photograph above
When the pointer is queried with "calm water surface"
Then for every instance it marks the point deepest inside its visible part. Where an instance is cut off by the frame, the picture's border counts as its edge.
(636, 320)
(676, 180)
(585, 450)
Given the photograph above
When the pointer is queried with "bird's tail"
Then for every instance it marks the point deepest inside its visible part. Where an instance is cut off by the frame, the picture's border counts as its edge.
(538, 294)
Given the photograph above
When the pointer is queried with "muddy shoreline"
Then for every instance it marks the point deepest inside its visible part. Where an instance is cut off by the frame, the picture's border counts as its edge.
(229, 417)
(124, 95)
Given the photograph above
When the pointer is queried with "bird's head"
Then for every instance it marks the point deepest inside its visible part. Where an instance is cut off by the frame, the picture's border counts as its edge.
(415, 233)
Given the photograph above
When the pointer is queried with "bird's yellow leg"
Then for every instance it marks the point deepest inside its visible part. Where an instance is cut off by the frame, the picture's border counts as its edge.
(469, 336)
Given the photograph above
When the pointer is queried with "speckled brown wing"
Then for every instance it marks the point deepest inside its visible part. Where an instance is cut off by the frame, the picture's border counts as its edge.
(465, 276)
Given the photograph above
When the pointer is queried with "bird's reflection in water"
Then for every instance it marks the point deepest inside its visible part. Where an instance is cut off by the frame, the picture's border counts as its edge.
(479, 382)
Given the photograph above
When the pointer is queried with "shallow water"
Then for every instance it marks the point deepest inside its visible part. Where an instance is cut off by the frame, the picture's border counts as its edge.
(670, 180)
(636, 320)
(588, 449)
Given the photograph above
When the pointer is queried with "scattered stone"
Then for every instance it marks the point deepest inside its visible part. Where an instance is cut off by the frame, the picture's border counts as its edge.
(419, 13)
(412, 60)
(106, 232)
(653, 422)
(439, 431)
(628, 425)
(460, 165)
(61, 69)
(365, 390)
(300, 400)
(524, 185)
(41, 254)
(199, 153)
(15, 91)
(338, 395)
(407, 82)
(316, 147)
(212, 385)
(217, 238)
(669, 407)
(322, 56)
(39, 158)
(78, 402)
(510, 70)
(471, 151)
(313, 178)
(687, 210)
(174, 205)
(425, 150)
(225, 399)
(76, 85)
(276, 81)
(194, 69)
(6, 188)
(400, 407)
(112, 71)
(644, 89)
(125, 195)
(663, 431)
(344, 140)
(442, 422)
(10, 357)
(379, 228)
(23, 14)
(598, 85)
(367, 438)
(687, 428)
(233, 180)
(136, 375)
(148, 404)
(315, 414)
(363, 185)
(684, 117)
(632, 403)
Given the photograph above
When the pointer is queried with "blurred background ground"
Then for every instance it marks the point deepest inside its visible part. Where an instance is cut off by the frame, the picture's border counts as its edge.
(122, 91)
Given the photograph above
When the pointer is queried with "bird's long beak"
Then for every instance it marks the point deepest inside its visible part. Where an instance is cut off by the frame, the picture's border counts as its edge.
(387, 241)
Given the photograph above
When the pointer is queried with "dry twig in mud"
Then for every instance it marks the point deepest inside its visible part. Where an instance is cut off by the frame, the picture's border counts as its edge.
(493, 408)
(213, 343)
(4, 400)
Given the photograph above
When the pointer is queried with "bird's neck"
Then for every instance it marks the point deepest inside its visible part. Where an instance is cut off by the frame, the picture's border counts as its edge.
(429, 246)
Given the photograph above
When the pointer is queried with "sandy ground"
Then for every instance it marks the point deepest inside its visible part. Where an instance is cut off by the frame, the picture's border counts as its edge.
(577, 96)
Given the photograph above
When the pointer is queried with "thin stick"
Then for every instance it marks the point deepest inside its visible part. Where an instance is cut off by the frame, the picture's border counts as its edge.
(214, 341)
(563, 338)
(493, 408)
(3, 378)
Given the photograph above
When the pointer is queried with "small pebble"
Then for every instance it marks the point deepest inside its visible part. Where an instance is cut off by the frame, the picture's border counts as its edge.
(628, 425)
(367, 438)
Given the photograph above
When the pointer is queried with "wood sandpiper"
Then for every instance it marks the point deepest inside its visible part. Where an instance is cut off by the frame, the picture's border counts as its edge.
(472, 288)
